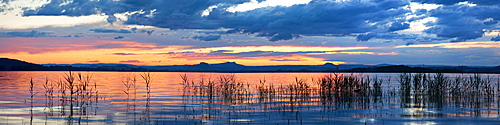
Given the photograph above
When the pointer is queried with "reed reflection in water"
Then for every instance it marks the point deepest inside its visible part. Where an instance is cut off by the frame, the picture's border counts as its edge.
(219, 98)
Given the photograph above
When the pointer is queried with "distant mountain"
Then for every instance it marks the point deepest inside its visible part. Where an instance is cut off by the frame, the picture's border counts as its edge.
(392, 68)
(17, 65)
(7, 64)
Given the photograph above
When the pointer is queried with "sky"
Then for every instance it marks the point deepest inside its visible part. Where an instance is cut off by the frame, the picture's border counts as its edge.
(252, 32)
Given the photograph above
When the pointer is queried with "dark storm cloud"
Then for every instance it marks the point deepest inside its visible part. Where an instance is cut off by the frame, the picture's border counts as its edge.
(318, 17)
(365, 19)
(32, 33)
(102, 30)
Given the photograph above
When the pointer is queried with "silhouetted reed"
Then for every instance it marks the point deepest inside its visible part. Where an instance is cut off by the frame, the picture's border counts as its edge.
(209, 98)
(130, 83)
(342, 87)
(75, 93)
(425, 90)
(148, 80)
(49, 96)
(31, 90)
(266, 92)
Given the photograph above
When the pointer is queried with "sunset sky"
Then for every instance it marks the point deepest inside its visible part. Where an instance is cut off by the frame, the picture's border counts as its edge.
(252, 32)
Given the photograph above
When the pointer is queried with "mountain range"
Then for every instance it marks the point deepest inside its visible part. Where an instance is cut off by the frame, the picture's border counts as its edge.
(7, 64)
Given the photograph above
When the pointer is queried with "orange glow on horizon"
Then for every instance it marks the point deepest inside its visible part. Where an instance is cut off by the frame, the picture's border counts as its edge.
(104, 56)
(91, 51)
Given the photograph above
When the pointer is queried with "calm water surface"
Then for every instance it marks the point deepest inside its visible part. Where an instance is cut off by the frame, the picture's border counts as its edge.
(106, 99)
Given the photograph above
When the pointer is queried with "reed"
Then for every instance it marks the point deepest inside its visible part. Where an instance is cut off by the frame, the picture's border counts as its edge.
(342, 87)
(31, 89)
(231, 89)
(299, 90)
(438, 89)
(266, 92)
(377, 87)
(130, 83)
(75, 93)
(148, 79)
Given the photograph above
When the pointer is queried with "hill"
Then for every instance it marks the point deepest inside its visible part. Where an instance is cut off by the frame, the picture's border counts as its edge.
(392, 68)
(7, 64)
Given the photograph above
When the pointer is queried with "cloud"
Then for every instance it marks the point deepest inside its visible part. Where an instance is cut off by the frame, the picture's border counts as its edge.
(288, 60)
(458, 45)
(452, 2)
(212, 32)
(275, 36)
(119, 37)
(319, 17)
(93, 61)
(497, 38)
(130, 61)
(207, 38)
(111, 19)
(252, 53)
(102, 30)
(456, 20)
(283, 36)
(123, 54)
(32, 33)
(463, 22)
(366, 37)
(409, 38)
(398, 26)
(222, 51)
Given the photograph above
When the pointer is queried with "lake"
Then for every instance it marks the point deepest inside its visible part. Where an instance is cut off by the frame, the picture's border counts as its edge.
(54, 97)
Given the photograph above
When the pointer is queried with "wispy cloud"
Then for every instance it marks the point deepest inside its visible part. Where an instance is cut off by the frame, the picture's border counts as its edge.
(102, 30)
(32, 33)
(131, 61)
(458, 45)
(93, 61)
(207, 38)
(119, 37)
(124, 54)
(51, 44)
(298, 59)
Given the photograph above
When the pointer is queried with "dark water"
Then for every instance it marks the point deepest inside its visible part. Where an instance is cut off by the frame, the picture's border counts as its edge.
(284, 98)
